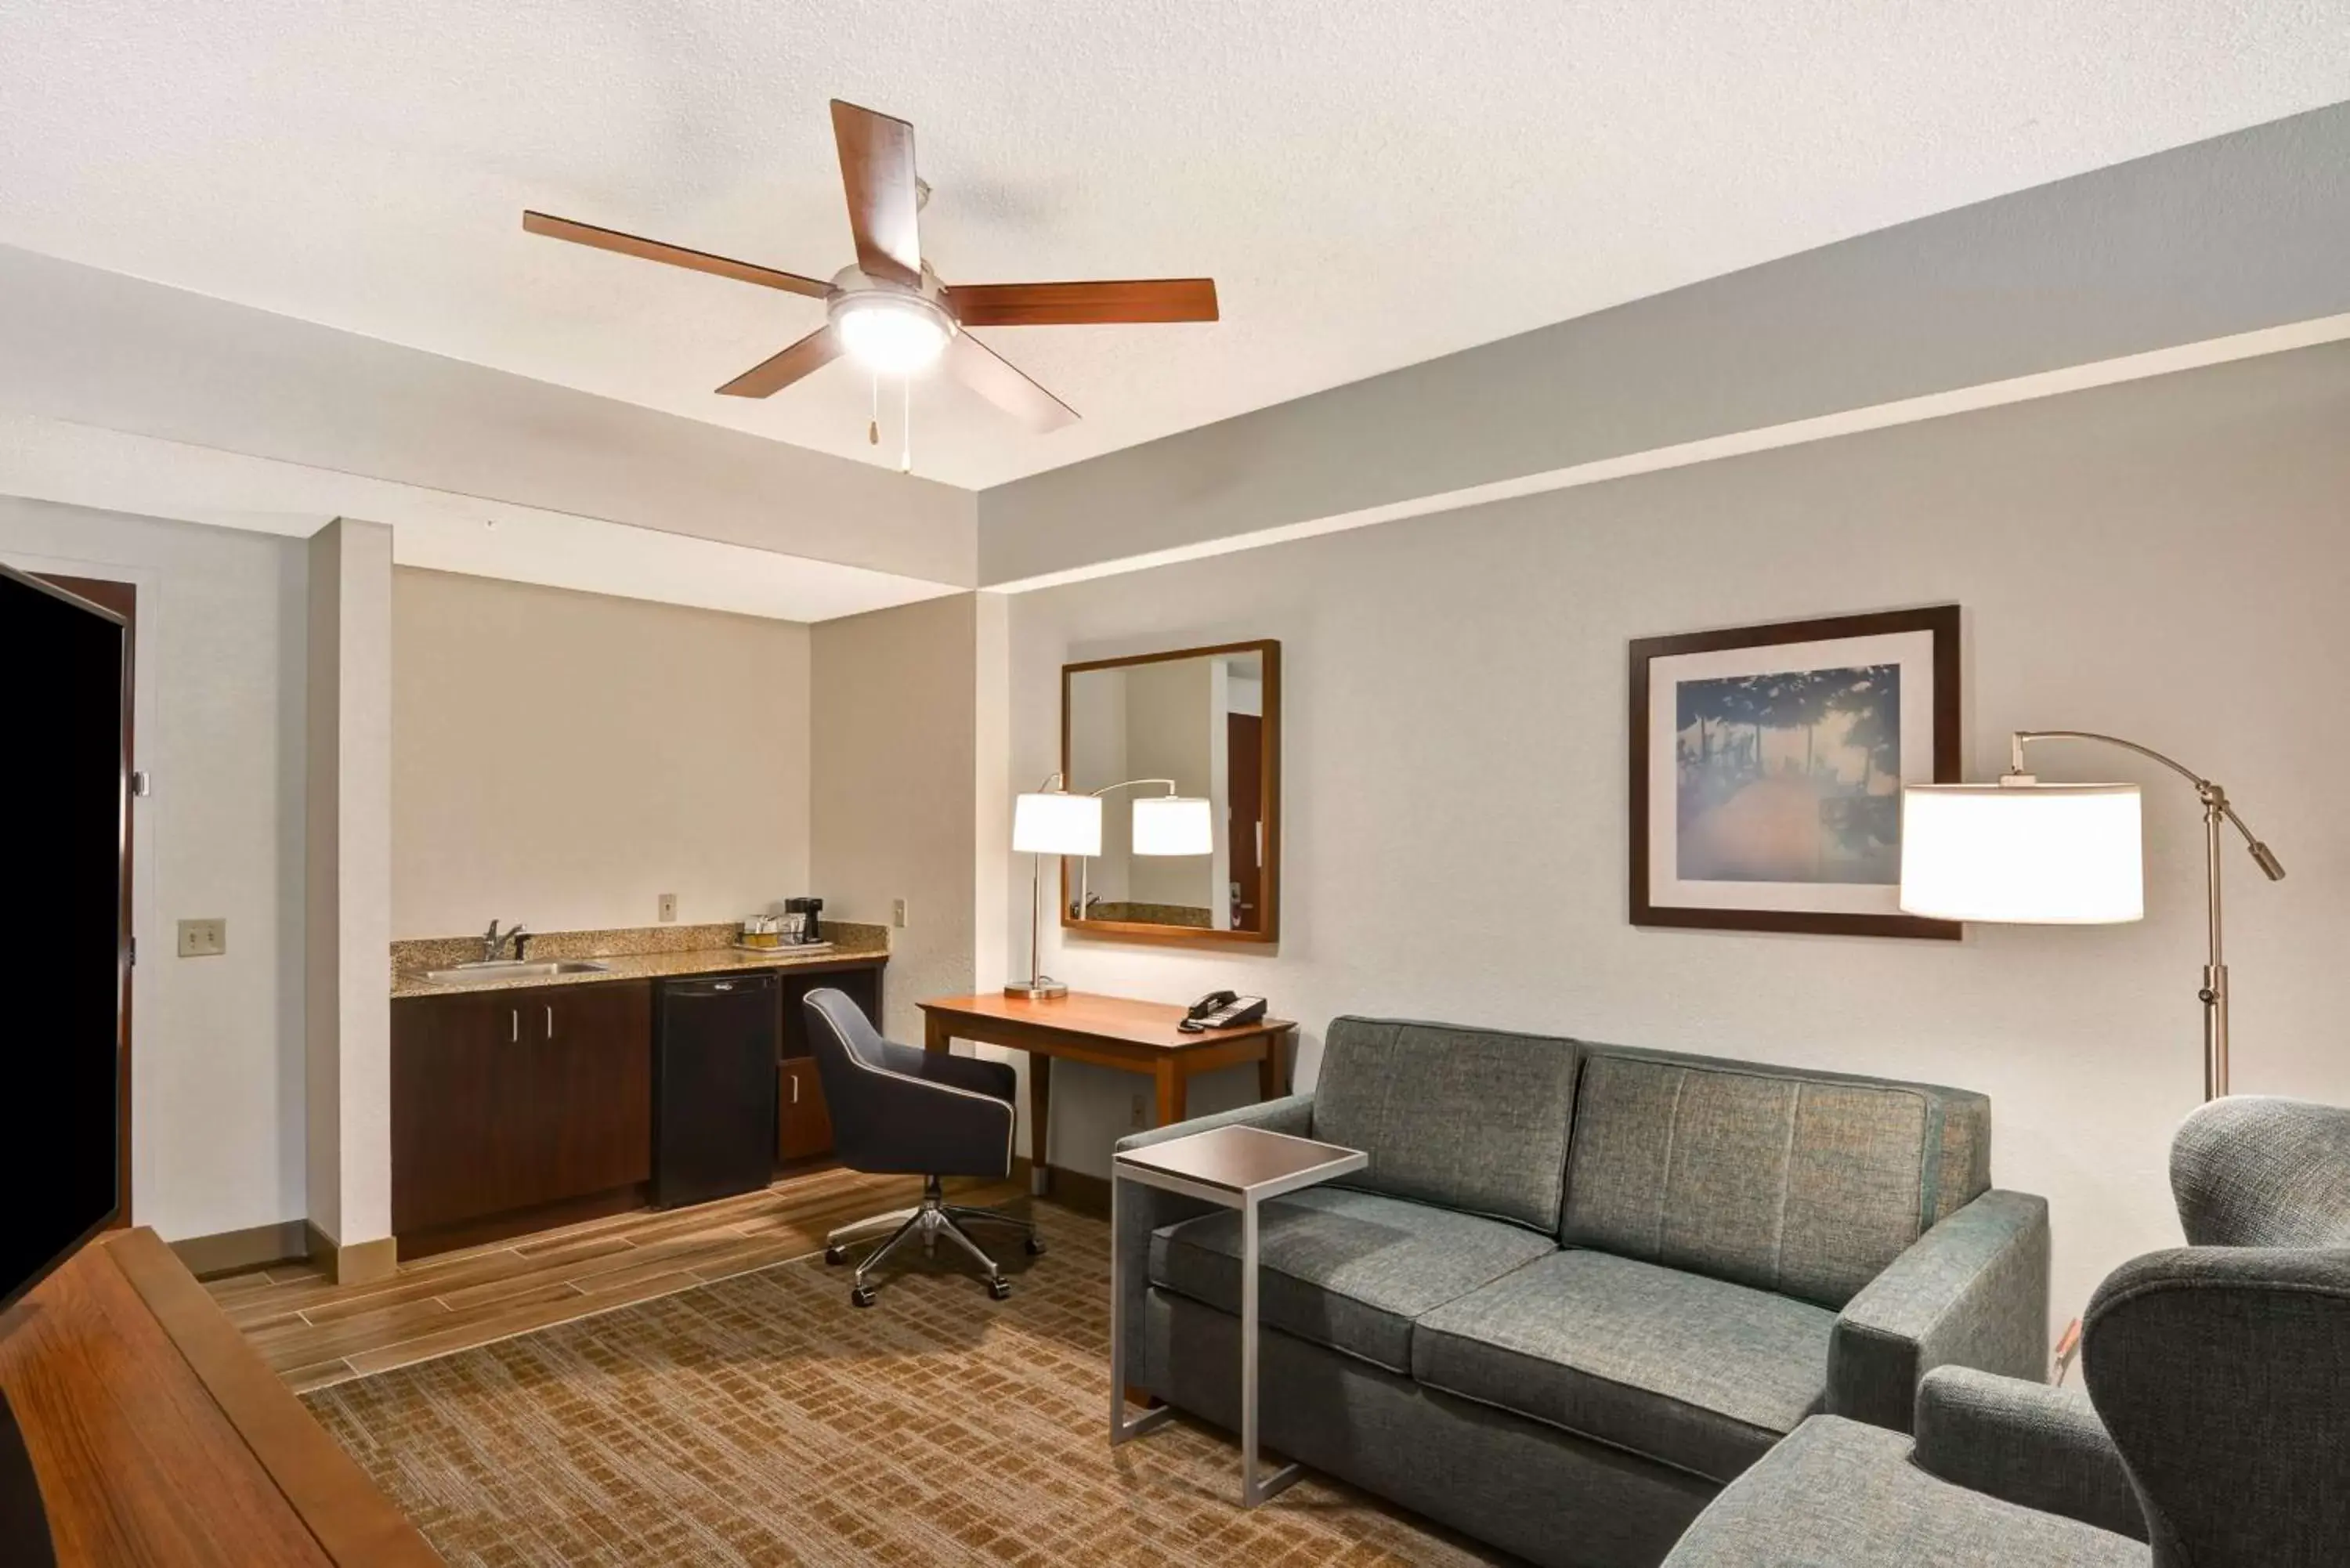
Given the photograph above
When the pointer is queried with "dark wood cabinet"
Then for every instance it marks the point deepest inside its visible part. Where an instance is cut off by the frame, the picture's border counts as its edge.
(803, 1125)
(515, 1110)
(505, 1101)
(802, 1122)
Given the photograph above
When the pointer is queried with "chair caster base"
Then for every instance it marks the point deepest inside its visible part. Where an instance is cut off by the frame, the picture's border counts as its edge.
(861, 1297)
(836, 1256)
(1000, 1289)
(1035, 1246)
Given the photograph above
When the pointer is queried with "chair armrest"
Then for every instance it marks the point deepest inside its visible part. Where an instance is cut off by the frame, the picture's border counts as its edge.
(1141, 1209)
(2025, 1443)
(1972, 1292)
(976, 1074)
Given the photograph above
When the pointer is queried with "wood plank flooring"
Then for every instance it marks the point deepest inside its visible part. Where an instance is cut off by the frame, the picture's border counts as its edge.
(313, 1332)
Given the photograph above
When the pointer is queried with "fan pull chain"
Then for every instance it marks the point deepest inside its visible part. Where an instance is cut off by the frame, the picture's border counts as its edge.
(873, 426)
(906, 425)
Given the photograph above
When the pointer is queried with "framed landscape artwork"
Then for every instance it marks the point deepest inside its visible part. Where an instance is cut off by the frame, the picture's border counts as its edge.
(1767, 766)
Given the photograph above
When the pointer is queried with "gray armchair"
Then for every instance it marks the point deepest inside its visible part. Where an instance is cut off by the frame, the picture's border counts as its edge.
(2215, 1430)
(897, 1110)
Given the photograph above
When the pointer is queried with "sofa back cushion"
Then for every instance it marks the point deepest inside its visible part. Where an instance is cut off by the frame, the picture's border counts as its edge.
(1805, 1183)
(1474, 1119)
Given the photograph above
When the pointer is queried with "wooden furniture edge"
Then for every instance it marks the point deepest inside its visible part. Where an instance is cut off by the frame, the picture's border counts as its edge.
(1268, 933)
(353, 1523)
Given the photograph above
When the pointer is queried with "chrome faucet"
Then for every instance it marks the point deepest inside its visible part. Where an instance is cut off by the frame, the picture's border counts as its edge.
(492, 941)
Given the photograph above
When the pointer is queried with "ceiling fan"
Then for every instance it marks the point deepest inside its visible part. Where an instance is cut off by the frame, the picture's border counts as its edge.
(888, 311)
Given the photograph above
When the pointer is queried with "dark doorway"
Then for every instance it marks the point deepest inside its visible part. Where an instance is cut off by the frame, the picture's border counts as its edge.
(122, 599)
(1244, 789)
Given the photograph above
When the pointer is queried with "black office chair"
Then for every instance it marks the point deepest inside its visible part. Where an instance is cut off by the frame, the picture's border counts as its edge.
(899, 1111)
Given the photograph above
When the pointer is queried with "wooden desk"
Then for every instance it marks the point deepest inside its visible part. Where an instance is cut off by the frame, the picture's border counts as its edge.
(1108, 1031)
(159, 1436)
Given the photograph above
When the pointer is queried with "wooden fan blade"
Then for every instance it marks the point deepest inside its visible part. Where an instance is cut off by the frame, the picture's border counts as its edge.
(877, 169)
(643, 249)
(768, 377)
(1079, 304)
(993, 377)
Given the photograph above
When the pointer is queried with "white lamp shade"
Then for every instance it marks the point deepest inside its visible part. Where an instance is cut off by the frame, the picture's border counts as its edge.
(1173, 824)
(1056, 823)
(2026, 854)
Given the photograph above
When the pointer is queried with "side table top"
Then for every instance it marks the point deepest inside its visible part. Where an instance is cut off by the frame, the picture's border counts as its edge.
(1242, 1160)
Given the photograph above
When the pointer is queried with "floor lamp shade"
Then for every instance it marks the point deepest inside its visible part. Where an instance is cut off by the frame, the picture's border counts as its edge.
(1056, 823)
(2026, 854)
(1173, 824)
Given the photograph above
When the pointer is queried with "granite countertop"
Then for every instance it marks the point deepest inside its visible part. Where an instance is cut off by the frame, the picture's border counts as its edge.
(645, 953)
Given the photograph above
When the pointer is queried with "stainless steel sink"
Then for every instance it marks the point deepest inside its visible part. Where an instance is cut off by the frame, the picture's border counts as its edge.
(508, 968)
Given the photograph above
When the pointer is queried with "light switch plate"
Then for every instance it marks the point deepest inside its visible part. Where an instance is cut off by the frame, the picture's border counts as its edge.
(204, 939)
(897, 913)
(668, 906)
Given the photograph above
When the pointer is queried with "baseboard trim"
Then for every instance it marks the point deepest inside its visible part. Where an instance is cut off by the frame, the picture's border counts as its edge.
(362, 1263)
(242, 1252)
(1077, 1190)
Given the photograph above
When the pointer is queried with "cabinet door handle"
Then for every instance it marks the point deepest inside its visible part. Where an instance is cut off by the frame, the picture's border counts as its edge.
(550, 1021)
(513, 1023)
(795, 1088)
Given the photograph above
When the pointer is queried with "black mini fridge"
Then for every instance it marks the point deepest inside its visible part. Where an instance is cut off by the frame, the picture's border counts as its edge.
(714, 1060)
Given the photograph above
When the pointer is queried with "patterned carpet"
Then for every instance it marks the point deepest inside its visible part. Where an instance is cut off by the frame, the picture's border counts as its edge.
(764, 1421)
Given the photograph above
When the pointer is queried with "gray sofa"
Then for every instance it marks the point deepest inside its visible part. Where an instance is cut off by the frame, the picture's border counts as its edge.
(1580, 1288)
(2215, 1430)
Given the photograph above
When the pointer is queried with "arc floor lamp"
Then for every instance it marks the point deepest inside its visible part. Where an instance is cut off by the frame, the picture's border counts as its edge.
(2028, 853)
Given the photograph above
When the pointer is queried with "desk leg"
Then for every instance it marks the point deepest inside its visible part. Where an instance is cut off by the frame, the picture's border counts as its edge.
(936, 1035)
(1174, 1092)
(1121, 1429)
(1269, 1075)
(1040, 1122)
(1253, 1491)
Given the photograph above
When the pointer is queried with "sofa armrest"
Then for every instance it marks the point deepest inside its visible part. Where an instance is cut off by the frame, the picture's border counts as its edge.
(1141, 1209)
(2025, 1443)
(1972, 1292)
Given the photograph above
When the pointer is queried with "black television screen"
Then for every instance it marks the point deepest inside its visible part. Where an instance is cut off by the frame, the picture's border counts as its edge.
(64, 810)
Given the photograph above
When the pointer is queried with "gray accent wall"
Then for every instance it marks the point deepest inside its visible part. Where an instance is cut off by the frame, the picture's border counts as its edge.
(2166, 560)
(2240, 233)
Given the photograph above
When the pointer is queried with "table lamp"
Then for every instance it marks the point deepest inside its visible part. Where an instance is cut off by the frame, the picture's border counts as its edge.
(1168, 824)
(2027, 853)
(1050, 822)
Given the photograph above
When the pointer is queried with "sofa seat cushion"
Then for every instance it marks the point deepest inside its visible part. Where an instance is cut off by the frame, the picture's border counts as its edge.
(1689, 1371)
(1342, 1269)
(1839, 1494)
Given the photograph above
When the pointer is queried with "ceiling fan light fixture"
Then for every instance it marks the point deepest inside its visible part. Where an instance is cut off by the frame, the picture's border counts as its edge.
(891, 334)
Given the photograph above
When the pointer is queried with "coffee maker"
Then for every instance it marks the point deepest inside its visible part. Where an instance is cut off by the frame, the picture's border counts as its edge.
(812, 908)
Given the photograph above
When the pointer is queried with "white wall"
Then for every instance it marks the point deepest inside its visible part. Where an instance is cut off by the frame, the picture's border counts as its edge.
(346, 1086)
(217, 1043)
(890, 816)
(564, 759)
(2164, 560)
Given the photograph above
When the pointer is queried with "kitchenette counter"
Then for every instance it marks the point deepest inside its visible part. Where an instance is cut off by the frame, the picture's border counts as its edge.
(642, 953)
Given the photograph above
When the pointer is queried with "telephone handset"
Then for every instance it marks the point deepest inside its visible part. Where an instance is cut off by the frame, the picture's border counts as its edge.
(1221, 1009)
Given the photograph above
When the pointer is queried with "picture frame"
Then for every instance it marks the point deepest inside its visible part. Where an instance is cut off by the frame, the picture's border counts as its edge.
(1766, 770)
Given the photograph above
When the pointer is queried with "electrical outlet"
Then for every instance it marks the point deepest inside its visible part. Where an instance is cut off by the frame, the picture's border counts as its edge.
(897, 913)
(669, 907)
(1137, 1116)
(203, 938)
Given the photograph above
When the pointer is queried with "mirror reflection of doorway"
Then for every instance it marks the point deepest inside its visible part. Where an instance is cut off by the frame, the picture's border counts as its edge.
(1244, 759)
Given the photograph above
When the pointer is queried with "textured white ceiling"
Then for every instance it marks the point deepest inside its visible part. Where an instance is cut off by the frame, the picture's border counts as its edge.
(1372, 183)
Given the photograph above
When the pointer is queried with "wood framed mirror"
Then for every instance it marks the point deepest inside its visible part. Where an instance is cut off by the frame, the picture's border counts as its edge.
(1184, 748)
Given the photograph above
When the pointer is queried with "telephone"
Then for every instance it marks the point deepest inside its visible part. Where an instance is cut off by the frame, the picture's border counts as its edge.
(1221, 1009)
